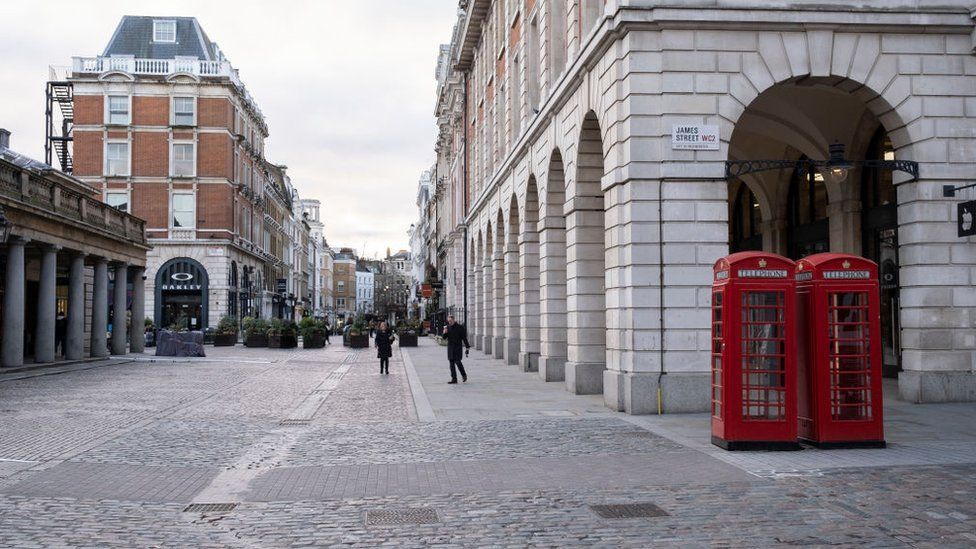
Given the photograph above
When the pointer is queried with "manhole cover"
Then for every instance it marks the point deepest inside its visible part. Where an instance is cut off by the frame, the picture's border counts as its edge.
(416, 515)
(293, 422)
(628, 510)
(210, 507)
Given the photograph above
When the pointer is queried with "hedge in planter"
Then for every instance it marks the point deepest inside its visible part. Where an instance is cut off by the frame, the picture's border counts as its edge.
(407, 332)
(255, 332)
(358, 336)
(226, 335)
(313, 333)
(282, 334)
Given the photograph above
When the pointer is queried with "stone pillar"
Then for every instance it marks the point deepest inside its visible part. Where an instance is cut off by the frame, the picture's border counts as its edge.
(487, 304)
(498, 279)
(137, 339)
(585, 295)
(119, 309)
(552, 298)
(74, 343)
(12, 348)
(512, 301)
(99, 323)
(476, 308)
(529, 298)
(47, 304)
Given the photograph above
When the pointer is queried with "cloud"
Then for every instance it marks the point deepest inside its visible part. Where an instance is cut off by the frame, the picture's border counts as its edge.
(347, 88)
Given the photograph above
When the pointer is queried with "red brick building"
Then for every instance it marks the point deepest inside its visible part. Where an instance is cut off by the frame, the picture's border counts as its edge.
(165, 129)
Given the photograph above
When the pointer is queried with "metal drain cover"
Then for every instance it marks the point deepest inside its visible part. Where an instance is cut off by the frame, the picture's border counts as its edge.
(628, 510)
(293, 422)
(210, 507)
(406, 515)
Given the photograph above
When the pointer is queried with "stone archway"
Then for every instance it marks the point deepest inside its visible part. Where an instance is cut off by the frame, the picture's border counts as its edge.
(182, 294)
(498, 288)
(511, 262)
(813, 212)
(528, 245)
(586, 265)
(488, 292)
(552, 274)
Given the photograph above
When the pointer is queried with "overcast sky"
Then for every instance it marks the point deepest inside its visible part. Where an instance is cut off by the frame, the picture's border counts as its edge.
(347, 87)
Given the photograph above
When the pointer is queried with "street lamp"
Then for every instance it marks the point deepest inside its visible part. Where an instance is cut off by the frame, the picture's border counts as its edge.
(5, 226)
(836, 167)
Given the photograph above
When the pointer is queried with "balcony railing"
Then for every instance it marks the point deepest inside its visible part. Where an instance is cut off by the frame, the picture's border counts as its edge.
(50, 196)
(162, 67)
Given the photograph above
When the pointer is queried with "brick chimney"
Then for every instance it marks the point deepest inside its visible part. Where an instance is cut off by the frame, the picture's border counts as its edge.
(4, 139)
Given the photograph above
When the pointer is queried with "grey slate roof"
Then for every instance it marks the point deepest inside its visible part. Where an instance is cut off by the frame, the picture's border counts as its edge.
(134, 36)
(22, 161)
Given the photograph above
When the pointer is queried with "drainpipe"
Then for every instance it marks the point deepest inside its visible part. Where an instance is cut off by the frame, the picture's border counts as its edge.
(464, 183)
(660, 248)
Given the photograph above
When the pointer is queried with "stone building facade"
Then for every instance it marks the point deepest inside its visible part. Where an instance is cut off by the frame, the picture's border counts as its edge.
(164, 128)
(72, 267)
(591, 236)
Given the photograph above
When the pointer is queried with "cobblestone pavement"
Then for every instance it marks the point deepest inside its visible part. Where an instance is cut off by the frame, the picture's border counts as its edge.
(316, 446)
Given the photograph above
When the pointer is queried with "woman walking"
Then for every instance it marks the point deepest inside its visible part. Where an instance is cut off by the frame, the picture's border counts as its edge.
(384, 347)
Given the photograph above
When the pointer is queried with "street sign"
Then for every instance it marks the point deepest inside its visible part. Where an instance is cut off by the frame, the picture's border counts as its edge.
(426, 290)
(966, 218)
(694, 137)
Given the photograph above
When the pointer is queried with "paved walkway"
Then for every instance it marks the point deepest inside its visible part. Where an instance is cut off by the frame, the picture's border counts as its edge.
(316, 448)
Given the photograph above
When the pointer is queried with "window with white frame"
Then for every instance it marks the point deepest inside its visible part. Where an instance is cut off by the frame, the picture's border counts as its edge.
(118, 110)
(118, 200)
(184, 206)
(164, 31)
(184, 160)
(184, 111)
(342, 285)
(340, 302)
(117, 158)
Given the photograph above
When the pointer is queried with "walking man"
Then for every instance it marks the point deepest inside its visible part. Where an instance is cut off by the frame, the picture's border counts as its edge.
(456, 334)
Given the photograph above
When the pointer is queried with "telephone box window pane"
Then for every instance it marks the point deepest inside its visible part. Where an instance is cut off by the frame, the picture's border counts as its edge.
(717, 349)
(849, 356)
(763, 356)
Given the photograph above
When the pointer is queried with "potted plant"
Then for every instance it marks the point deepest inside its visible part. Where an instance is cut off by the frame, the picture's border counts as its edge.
(226, 335)
(255, 332)
(313, 333)
(407, 332)
(358, 336)
(282, 334)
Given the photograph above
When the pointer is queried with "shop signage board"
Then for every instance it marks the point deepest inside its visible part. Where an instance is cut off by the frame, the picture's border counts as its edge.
(281, 285)
(966, 218)
(694, 137)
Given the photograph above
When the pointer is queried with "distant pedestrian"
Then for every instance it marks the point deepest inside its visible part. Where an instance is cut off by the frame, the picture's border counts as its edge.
(328, 331)
(60, 330)
(456, 335)
(384, 347)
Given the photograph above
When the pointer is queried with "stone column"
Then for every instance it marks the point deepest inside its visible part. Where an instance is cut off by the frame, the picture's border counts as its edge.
(498, 279)
(475, 304)
(512, 302)
(12, 349)
(99, 323)
(118, 310)
(552, 298)
(137, 339)
(487, 304)
(585, 295)
(74, 343)
(529, 299)
(44, 338)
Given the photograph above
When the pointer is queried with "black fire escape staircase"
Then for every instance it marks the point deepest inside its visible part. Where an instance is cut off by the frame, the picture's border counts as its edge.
(59, 144)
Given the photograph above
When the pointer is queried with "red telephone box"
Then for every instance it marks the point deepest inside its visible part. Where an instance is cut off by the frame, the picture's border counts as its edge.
(839, 352)
(753, 353)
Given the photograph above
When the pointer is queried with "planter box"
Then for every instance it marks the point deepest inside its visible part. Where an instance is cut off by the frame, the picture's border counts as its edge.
(225, 340)
(282, 342)
(313, 342)
(407, 340)
(360, 341)
(256, 340)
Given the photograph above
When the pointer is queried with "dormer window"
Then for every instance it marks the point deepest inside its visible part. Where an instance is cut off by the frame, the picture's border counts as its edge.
(164, 31)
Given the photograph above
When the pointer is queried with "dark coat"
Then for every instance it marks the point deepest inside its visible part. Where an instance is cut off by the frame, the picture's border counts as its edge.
(457, 335)
(384, 343)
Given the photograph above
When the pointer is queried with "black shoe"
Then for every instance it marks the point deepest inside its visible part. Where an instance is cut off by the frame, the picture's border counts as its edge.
(464, 379)
(452, 382)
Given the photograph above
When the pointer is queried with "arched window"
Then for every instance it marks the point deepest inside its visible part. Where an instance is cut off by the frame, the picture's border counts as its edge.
(745, 232)
(182, 294)
(807, 225)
